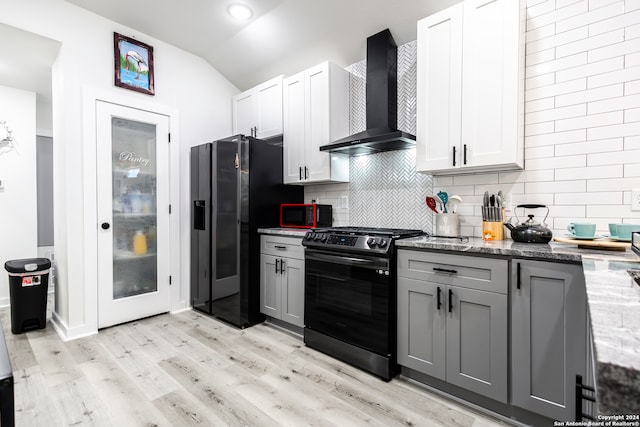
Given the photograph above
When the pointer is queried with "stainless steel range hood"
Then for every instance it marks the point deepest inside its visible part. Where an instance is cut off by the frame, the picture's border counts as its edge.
(382, 104)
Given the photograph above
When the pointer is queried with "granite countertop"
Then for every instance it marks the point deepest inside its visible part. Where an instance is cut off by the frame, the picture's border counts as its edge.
(613, 300)
(554, 251)
(290, 232)
(614, 306)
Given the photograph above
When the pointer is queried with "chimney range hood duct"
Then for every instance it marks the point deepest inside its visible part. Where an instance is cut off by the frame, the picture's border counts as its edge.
(382, 104)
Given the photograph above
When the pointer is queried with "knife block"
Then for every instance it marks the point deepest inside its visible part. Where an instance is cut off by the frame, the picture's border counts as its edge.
(493, 230)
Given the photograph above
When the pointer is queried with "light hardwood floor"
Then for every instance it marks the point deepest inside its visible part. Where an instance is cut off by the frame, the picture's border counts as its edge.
(191, 370)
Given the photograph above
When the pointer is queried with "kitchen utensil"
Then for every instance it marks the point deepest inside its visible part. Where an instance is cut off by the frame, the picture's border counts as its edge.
(594, 244)
(485, 206)
(530, 231)
(455, 200)
(445, 198)
(431, 202)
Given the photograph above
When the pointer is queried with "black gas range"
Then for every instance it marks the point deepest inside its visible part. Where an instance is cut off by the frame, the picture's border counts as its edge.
(350, 295)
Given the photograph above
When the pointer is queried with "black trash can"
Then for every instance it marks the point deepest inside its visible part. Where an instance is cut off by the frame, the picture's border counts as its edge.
(28, 285)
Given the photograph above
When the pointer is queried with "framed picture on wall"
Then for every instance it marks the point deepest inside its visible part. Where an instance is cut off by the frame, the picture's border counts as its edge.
(133, 62)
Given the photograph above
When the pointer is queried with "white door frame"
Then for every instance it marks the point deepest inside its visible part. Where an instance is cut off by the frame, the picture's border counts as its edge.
(90, 96)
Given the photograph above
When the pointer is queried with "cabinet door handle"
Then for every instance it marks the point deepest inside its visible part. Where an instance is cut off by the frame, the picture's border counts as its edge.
(282, 266)
(444, 270)
(277, 261)
(439, 298)
(255, 131)
(280, 247)
(306, 173)
(450, 300)
(105, 225)
(464, 155)
(454, 156)
(300, 171)
(518, 281)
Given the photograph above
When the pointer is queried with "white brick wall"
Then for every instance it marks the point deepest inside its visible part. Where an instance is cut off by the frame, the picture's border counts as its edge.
(582, 122)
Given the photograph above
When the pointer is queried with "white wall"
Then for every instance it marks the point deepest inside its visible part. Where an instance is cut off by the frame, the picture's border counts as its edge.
(18, 231)
(183, 82)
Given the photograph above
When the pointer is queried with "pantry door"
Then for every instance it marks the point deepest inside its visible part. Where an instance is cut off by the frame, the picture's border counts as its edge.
(133, 213)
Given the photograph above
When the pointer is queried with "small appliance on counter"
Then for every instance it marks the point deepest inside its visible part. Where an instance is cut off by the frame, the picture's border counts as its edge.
(305, 215)
(635, 242)
(530, 231)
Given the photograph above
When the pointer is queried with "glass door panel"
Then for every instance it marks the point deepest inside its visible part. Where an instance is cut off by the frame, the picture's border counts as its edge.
(132, 173)
(134, 207)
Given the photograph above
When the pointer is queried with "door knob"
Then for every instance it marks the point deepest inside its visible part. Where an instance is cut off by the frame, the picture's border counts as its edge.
(105, 226)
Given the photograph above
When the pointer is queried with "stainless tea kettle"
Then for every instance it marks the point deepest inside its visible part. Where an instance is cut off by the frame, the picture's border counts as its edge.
(530, 231)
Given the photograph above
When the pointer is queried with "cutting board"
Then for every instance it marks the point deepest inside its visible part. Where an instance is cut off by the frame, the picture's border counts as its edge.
(602, 243)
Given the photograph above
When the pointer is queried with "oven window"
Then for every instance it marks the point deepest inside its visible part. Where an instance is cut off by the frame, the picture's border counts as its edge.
(350, 303)
(353, 297)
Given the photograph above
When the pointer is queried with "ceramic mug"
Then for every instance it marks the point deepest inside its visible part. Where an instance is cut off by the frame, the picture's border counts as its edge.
(582, 229)
(613, 229)
(447, 225)
(623, 231)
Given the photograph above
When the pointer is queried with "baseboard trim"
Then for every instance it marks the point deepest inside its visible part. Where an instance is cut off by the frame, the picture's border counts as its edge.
(68, 334)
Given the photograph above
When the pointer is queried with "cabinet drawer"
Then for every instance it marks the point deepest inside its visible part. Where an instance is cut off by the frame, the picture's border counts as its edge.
(484, 274)
(290, 247)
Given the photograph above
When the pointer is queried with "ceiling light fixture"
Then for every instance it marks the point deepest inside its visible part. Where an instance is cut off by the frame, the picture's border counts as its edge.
(239, 11)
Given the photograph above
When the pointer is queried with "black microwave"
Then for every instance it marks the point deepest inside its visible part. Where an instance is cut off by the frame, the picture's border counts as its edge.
(305, 215)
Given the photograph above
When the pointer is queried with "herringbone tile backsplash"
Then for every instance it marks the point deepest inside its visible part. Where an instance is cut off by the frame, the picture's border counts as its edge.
(385, 190)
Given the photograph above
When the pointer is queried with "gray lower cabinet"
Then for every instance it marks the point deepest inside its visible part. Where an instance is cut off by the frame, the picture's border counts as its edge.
(548, 336)
(282, 278)
(453, 319)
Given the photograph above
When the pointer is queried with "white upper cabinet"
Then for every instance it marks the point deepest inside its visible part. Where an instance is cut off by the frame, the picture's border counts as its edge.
(258, 111)
(316, 112)
(471, 88)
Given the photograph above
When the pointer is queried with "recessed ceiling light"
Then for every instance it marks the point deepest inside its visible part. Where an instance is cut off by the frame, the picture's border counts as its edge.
(240, 12)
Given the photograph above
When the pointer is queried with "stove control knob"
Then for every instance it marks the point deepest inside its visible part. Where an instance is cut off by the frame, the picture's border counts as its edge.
(382, 243)
(316, 237)
(309, 235)
(371, 241)
(323, 238)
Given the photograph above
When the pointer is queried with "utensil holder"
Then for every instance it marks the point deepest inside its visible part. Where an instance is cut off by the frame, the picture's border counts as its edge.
(447, 225)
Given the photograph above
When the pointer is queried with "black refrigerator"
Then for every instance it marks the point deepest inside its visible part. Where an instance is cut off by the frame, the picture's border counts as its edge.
(236, 188)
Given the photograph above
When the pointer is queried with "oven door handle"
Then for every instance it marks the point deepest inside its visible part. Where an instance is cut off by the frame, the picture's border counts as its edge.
(348, 260)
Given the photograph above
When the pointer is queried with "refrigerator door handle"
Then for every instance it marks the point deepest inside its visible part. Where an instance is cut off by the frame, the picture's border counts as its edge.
(199, 215)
